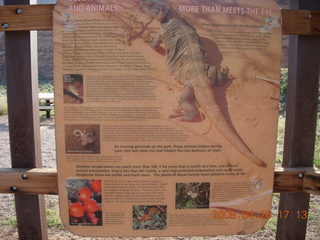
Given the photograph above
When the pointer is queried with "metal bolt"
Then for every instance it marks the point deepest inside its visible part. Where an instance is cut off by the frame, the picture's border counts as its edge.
(5, 25)
(14, 189)
(19, 11)
(24, 176)
(310, 16)
(301, 175)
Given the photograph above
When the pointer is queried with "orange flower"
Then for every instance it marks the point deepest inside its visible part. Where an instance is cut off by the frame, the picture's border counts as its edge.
(91, 206)
(84, 194)
(94, 220)
(96, 185)
(76, 210)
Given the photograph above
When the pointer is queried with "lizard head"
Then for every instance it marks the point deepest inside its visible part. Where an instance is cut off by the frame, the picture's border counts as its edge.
(152, 7)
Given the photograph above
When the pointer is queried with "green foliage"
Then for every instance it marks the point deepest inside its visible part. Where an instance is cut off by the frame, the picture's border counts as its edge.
(45, 84)
(3, 105)
(272, 223)
(3, 100)
(317, 159)
(46, 88)
(280, 139)
(10, 221)
(191, 203)
(275, 198)
(283, 89)
(314, 213)
(317, 146)
(3, 90)
(149, 217)
(53, 219)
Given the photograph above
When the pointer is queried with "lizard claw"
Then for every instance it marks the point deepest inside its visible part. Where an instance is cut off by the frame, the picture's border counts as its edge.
(223, 76)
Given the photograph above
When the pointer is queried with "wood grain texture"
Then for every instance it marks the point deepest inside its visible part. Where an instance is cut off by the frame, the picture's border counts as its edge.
(301, 118)
(38, 181)
(315, 23)
(44, 181)
(287, 181)
(24, 130)
(311, 183)
(296, 22)
(39, 17)
(300, 22)
(34, 17)
(292, 228)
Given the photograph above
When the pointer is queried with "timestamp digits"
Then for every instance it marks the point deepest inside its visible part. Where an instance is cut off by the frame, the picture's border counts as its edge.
(241, 214)
(300, 214)
(234, 214)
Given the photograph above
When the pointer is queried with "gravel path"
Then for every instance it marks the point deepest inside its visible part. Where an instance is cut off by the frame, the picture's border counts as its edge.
(7, 213)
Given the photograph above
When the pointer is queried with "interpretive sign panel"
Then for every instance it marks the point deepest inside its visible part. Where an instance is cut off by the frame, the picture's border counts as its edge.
(166, 115)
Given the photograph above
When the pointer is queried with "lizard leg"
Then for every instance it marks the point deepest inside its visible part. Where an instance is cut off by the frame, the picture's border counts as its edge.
(212, 75)
(185, 108)
(218, 76)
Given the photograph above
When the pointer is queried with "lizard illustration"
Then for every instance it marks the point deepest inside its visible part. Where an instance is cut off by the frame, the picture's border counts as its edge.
(188, 64)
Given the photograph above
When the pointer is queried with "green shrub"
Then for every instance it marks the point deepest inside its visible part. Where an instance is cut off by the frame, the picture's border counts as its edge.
(3, 90)
(283, 90)
(10, 221)
(53, 219)
(3, 105)
(317, 146)
(46, 88)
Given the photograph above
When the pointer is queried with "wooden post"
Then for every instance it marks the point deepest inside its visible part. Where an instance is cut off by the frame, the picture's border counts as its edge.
(24, 127)
(301, 118)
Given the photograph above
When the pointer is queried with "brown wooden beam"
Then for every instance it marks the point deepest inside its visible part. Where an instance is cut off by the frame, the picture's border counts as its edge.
(315, 23)
(39, 17)
(311, 183)
(29, 181)
(300, 22)
(44, 181)
(301, 118)
(24, 126)
(33, 17)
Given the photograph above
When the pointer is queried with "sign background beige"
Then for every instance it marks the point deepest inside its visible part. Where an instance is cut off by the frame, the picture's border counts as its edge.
(250, 102)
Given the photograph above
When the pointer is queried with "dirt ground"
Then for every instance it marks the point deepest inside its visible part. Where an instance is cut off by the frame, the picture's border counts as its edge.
(7, 213)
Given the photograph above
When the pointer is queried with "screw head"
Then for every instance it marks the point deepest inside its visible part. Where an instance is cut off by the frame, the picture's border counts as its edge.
(301, 175)
(24, 176)
(19, 11)
(14, 189)
(5, 25)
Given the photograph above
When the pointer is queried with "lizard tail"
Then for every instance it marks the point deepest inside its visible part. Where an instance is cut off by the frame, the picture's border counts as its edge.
(209, 105)
(208, 130)
(203, 117)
